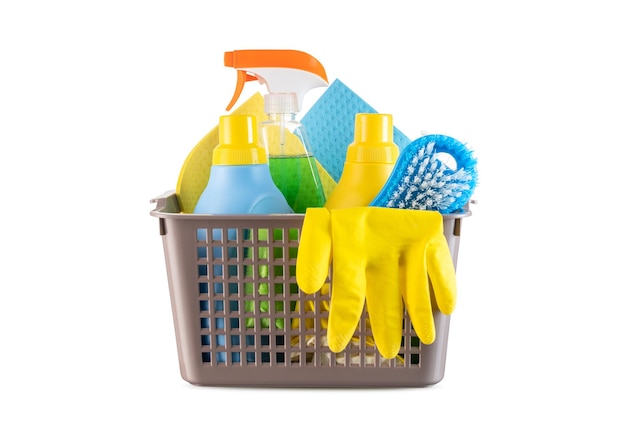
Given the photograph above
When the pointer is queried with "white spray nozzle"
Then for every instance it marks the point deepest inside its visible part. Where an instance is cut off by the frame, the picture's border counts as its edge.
(282, 71)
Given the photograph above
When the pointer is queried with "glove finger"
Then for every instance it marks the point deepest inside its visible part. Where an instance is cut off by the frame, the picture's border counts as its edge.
(416, 295)
(324, 307)
(442, 274)
(385, 308)
(314, 250)
(347, 299)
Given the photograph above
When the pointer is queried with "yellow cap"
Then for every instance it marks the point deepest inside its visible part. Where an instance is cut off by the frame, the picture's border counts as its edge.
(373, 140)
(239, 142)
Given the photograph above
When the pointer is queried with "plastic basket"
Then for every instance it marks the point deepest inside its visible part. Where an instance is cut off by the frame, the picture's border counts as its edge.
(240, 319)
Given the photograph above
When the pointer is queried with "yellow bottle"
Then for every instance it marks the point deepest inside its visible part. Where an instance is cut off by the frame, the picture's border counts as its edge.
(369, 162)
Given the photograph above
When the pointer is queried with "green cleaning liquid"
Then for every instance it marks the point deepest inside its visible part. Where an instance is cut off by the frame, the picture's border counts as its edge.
(299, 181)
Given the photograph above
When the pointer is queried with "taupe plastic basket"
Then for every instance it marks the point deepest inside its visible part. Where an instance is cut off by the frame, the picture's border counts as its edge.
(240, 319)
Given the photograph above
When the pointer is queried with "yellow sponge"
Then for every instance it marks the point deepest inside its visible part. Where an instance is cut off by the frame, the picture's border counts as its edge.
(194, 174)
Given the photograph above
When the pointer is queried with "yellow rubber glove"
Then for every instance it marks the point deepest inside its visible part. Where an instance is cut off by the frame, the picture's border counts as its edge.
(381, 256)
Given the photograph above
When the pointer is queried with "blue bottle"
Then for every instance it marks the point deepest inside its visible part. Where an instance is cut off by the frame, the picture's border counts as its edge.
(240, 183)
(240, 180)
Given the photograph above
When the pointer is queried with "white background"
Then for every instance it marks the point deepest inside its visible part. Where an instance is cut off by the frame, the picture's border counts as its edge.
(100, 103)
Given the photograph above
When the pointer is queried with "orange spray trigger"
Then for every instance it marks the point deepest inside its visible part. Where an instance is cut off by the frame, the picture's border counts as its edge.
(242, 78)
(282, 71)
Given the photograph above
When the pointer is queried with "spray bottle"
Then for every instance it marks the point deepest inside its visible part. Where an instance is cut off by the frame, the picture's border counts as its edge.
(288, 75)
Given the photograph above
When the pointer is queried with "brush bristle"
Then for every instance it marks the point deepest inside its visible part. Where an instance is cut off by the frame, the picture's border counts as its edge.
(421, 181)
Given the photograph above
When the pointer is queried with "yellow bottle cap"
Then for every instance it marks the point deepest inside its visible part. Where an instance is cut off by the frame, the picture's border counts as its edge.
(239, 142)
(373, 140)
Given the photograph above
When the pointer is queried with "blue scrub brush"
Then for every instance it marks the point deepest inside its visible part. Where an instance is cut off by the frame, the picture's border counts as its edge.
(422, 180)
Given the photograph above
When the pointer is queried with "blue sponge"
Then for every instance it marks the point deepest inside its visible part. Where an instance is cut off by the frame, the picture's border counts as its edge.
(329, 125)
(422, 180)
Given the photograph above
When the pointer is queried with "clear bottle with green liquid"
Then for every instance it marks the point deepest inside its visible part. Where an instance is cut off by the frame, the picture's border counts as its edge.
(292, 164)
(288, 75)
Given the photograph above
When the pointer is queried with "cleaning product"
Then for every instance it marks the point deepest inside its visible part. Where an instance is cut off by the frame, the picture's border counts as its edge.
(289, 75)
(434, 172)
(196, 169)
(239, 183)
(370, 160)
(329, 124)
